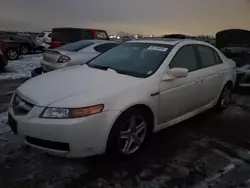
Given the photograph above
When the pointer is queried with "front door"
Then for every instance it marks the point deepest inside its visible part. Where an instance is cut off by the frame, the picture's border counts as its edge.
(180, 96)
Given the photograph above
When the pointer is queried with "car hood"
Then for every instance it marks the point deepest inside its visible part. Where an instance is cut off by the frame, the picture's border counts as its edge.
(57, 85)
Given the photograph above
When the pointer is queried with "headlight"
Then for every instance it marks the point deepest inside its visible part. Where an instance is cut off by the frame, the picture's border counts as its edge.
(66, 113)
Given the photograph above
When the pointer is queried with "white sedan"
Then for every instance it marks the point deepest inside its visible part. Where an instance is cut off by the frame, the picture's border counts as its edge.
(113, 103)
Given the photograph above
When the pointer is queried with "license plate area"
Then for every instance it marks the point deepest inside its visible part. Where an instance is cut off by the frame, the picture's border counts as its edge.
(12, 123)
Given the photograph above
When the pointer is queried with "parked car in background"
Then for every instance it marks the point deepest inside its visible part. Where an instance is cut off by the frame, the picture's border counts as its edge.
(62, 36)
(10, 49)
(3, 61)
(114, 102)
(27, 44)
(243, 71)
(71, 54)
(44, 37)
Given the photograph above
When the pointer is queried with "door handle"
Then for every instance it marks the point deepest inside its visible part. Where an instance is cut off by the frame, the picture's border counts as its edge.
(198, 80)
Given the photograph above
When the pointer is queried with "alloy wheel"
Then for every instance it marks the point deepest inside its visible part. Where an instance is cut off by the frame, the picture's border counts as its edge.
(12, 54)
(225, 97)
(132, 134)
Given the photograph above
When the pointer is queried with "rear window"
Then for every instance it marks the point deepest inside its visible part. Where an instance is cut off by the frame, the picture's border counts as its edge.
(71, 35)
(102, 35)
(76, 46)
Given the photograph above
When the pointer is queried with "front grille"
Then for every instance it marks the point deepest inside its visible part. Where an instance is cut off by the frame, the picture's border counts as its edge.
(48, 144)
(20, 106)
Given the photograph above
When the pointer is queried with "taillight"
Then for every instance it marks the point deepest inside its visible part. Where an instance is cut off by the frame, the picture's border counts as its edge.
(63, 59)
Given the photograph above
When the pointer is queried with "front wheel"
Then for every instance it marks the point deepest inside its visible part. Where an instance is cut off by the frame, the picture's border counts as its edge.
(225, 97)
(129, 133)
(12, 54)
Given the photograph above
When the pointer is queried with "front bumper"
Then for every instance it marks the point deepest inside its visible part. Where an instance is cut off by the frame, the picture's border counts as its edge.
(79, 137)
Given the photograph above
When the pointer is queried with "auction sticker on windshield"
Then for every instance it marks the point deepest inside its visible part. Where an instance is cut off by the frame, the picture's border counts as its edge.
(157, 48)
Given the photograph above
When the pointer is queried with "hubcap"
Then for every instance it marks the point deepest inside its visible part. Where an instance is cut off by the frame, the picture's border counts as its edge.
(225, 97)
(132, 134)
(24, 50)
(12, 54)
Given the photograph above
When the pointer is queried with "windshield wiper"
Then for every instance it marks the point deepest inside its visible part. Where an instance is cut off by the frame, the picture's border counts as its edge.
(99, 67)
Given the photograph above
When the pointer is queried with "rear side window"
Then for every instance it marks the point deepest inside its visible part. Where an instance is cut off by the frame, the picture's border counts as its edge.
(185, 58)
(71, 35)
(102, 35)
(217, 58)
(104, 47)
(76, 46)
(49, 35)
(88, 35)
(207, 56)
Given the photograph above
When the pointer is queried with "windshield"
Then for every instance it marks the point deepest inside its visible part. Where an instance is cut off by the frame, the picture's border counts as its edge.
(134, 59)
(76, 46)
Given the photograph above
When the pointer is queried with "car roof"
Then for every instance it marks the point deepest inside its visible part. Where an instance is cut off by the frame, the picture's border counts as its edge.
(96, 41)
(168, 41)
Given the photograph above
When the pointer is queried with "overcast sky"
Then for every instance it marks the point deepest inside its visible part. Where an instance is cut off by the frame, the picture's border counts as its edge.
(144, 16)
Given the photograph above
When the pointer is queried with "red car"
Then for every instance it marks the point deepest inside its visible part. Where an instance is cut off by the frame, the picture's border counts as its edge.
(3, 61)
(62, 36)
(10, 49)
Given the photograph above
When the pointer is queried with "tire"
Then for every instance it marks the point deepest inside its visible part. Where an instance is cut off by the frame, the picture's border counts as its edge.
(12, 54)
(1, 68)
(125, 143)
(24, 50)
(224, 98)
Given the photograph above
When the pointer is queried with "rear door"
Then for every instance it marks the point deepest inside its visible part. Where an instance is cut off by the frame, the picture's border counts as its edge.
(212, 68)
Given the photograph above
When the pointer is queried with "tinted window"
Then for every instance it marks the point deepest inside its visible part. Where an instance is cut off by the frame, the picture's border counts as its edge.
(217, 58)
(76, 46)
(49, 35)
(134, 59)
(207, 56)
(185, 58)
(102, 35)
(104, 47)
(71, 35)
(88, 35)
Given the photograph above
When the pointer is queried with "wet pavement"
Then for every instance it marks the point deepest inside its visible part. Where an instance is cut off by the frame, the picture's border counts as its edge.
(209, 150)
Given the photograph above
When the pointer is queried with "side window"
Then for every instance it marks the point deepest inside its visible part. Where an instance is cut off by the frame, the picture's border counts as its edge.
(102, 35)
(104, 47)
(185, 58)
(217, 57)
(49, 35)
(207, 56)
(88, 35)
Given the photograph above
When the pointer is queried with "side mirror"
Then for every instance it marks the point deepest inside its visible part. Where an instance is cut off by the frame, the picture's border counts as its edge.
(175, 73)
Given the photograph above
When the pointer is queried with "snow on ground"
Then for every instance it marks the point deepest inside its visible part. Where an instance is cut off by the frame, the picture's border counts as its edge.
(3, 123)
(21, 68)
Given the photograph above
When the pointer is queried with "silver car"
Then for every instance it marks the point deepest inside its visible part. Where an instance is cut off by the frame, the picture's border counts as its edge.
(243, 71)
(75, 53)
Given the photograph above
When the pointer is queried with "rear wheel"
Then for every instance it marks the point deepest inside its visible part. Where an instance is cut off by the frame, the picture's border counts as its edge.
(129, 133)
(225, 96)
(24, 50)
